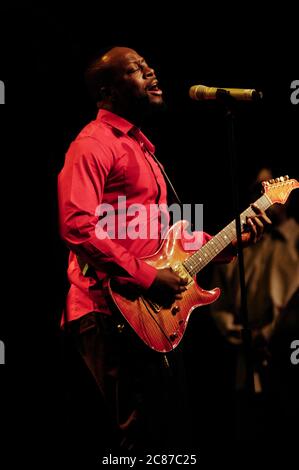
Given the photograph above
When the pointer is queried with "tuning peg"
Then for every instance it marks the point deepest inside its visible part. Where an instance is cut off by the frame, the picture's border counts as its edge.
(286, 177)
(281, 178)
(271, 181)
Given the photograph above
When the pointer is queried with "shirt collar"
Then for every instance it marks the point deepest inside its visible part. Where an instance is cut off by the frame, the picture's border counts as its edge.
(124, 127)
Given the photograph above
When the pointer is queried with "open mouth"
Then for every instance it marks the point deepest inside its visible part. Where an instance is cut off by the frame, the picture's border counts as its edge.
(154, 89)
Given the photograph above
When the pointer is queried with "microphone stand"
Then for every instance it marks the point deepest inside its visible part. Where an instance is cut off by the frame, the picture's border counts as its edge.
(246, 331)
(229, 103)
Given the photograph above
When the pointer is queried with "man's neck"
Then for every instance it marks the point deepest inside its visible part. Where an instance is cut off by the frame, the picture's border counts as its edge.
(125, 114)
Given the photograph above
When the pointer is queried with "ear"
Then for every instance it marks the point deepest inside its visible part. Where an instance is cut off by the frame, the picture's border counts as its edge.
(103, 92)
(107, 92)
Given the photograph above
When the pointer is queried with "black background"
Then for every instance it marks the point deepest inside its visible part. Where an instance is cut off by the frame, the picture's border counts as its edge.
(44, 51)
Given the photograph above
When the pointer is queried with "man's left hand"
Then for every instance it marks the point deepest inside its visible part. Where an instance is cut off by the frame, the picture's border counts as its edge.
(256, 225)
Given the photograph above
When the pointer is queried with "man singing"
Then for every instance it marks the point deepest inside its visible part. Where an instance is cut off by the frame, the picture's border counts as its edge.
(111, 157)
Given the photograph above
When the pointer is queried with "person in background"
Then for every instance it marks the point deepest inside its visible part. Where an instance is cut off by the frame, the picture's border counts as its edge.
(272, 283)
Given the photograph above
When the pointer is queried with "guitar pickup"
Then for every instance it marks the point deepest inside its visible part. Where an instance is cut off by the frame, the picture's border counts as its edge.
(155, 307)
(183, 273)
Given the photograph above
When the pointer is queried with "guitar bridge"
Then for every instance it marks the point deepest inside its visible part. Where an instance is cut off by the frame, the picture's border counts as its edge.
(154, 306)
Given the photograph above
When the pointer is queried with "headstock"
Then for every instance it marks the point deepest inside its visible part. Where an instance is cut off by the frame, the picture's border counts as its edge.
(279, 189)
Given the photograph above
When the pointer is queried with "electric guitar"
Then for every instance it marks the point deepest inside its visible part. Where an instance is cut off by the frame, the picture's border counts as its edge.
(162, 328)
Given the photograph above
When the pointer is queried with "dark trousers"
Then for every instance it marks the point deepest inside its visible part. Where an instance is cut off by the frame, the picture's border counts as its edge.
(144, 395)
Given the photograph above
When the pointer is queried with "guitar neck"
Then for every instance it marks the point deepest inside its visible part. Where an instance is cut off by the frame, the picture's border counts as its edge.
(197, 261)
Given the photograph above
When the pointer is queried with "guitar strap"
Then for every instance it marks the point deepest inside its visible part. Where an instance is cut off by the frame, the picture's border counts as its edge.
(167, 179)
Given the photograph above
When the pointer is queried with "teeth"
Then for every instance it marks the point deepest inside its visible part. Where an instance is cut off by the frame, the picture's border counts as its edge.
(153, 87)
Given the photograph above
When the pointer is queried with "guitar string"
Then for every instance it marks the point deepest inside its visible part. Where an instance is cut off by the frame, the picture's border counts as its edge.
(263, 202)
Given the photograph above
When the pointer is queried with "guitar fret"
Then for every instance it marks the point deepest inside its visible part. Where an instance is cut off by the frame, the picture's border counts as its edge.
(221, 240)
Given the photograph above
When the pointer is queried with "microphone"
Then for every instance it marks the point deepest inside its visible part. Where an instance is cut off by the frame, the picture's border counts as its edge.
(202, 92)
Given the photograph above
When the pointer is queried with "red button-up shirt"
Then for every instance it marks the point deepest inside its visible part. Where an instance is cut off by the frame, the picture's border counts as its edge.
(109, 159)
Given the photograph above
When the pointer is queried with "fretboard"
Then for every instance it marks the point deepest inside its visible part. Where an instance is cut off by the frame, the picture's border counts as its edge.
(213, 247)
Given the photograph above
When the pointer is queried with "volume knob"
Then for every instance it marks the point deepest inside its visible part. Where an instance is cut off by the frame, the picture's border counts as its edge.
(173, 337)
(175, 309)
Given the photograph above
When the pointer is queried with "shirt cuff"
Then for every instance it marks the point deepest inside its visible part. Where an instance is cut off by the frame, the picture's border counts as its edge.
(146, 275)
(143, 277)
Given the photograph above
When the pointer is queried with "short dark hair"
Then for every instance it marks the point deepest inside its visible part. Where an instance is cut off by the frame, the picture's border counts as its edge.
(97, 76)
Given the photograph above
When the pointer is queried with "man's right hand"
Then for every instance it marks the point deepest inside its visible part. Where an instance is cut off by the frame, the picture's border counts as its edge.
(167, 287)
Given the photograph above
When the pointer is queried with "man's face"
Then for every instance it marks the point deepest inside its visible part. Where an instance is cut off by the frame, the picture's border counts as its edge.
(135, 83)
